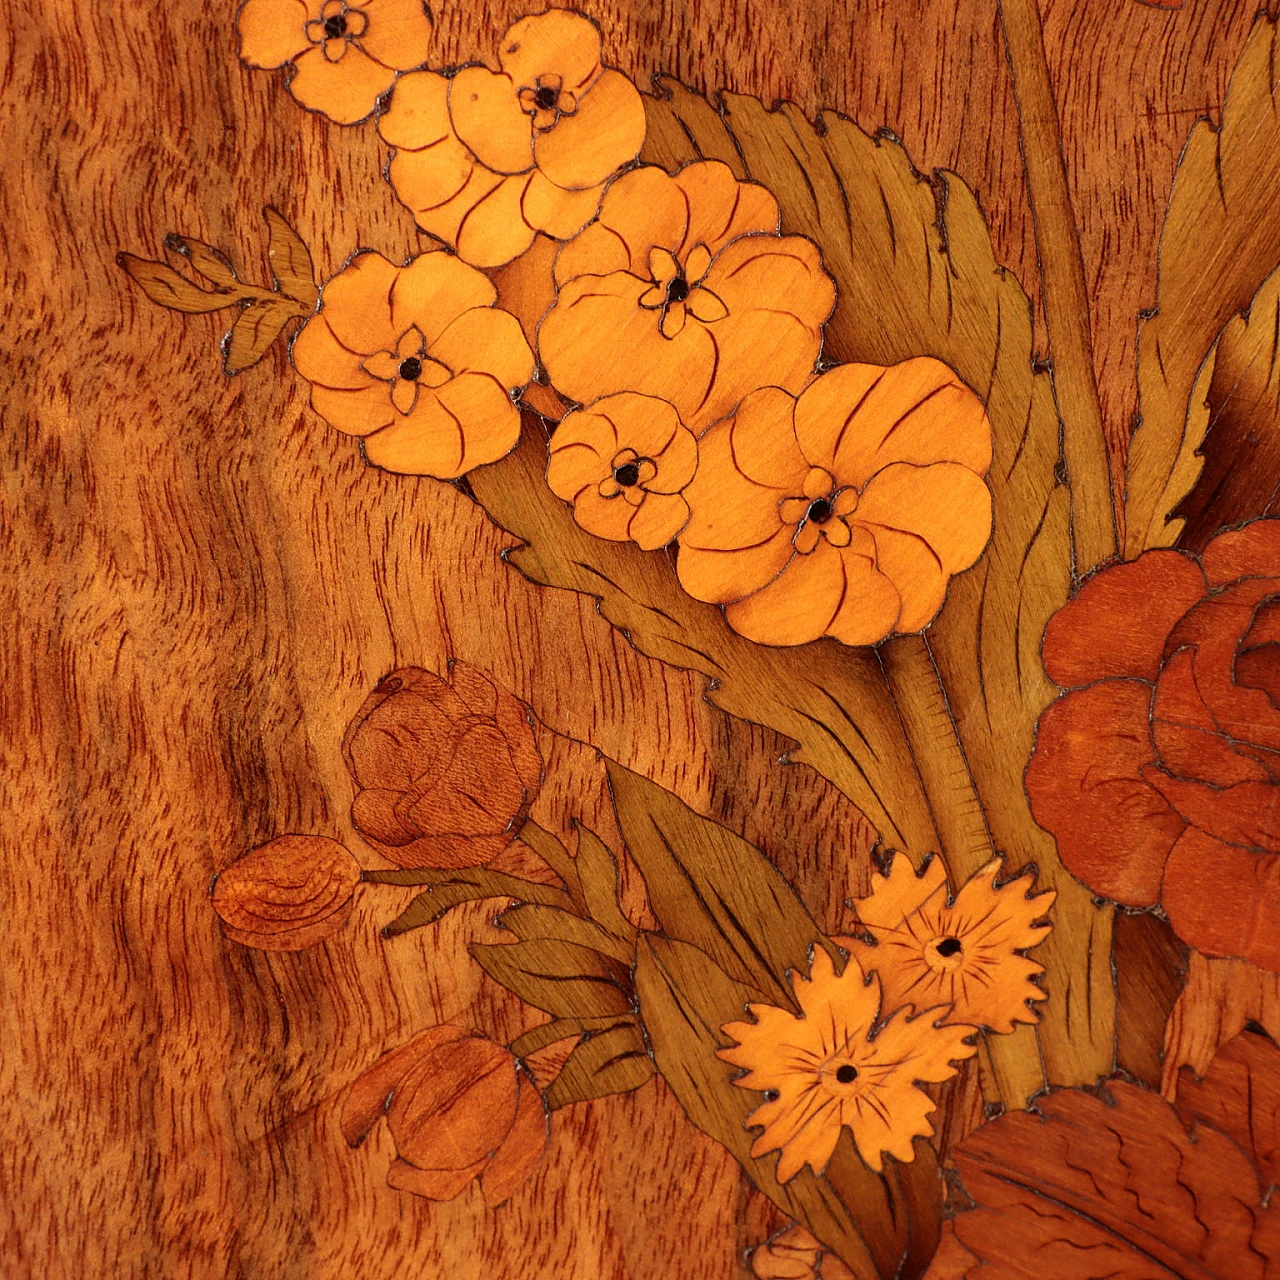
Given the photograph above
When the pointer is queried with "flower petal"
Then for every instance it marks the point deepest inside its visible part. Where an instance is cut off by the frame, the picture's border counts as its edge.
(872, 605)
(272, 32)
(719, 576)
(487, 116)
(946, 505)
(1245, 813)
(346, 91)
(418, 116)
(559, 43)
(775, 275)
(608, 518)
(486, 340)
(432, 292)
(466, 423)
(398, 34)
(720, 207)
(857, 419)
(320, 358)
(798, 606)
(1250, 551)
(493, 231)
(1224, 900)
(1114, 830)
(1099, 635)
(606, 132)
(658, 520)
(597, 251)
(358, 413)
(555, 211)
(644, 207)
(522, 1148)
(432, 1184)
(355, 304)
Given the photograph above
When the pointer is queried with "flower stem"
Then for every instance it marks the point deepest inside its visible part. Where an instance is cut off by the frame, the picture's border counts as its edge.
(1064, 292)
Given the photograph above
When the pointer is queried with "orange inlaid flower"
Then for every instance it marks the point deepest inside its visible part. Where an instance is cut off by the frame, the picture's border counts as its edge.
(622, 462)
(459, 1108)
(418, 361)
(826, 1072)
(345, 54)
(844, 512)
(684, 290)
(488, 159)
(929, 951)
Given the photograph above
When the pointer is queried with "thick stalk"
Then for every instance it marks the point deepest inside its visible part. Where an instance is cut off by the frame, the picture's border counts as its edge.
(1064, 292)
(1012, 1069)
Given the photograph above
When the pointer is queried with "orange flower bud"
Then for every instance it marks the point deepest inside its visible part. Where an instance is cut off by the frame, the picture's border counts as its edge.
(288, 894)
(446, 771)
(458, 1107)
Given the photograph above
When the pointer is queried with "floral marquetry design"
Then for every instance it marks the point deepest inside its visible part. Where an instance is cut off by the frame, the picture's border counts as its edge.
(344, 54)
(1159, 770)
(418, 361)
(684, 290)
(824, 1073)
(844, 512)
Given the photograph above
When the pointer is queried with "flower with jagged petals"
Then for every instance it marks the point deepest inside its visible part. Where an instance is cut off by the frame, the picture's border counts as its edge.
(842, 513)
(486, 160)
(622, 462)
(825, 1072)
(418, 361)
(929, 951)
(684, 290)
(345, 54)
(459, 1107)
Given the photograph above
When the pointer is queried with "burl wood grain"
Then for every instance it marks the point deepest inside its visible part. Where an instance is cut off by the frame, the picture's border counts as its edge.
(203, 581)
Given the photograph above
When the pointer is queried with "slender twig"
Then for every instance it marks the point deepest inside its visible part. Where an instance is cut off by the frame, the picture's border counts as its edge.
(1065, 294)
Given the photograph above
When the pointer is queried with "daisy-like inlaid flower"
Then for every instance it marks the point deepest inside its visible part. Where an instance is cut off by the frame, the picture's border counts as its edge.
(826, 1071)
(966, 953)
(623, 462)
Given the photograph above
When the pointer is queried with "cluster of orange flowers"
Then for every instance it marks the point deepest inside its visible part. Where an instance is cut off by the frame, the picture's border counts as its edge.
(928, 973)
(683, 327)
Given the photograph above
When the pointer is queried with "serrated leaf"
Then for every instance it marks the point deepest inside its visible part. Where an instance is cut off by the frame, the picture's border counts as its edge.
(598, 876)
(607, 1062)
(1241, 477)
(448, 889)
(256, 328)
(165, 287)
(290, 260)
(561, 978)
(528, 922)
(211, 263)
(1221, 239)
(710, 887)
(833, 701)
(916, 275)
(1112, 1188)
(878, 1225)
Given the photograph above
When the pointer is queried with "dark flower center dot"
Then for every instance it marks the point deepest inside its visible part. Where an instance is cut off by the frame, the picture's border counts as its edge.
(949, 947)
(846, 1074)
(546, 97)
(678, 289)
(627, 474)
(819, 512)
(336, 27)
(411, 369)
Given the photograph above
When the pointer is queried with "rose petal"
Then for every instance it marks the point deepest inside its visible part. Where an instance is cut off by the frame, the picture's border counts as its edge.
(398, 34)
(1250, 551)
(478, 793)
(1245, 813)
(606, 132)
(272, 32)
(347, 91)
(521, 1149)
(1114, 830)
(513, 720)
(1224, 900)
(1100, 635)
(487, 116)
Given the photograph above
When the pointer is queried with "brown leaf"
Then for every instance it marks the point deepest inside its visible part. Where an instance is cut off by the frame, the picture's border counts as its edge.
(211, 263)
(255, 329)
(615, 1060)
(1240, 1096)
(1091, 1187)
(165, 287)
(1221, 239)
(1241, 476)
(561, 978)
(598, 874)
(290, 260)
(530, 921)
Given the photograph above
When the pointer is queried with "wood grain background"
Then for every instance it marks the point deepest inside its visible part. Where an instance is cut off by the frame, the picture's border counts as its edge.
(202, 582)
